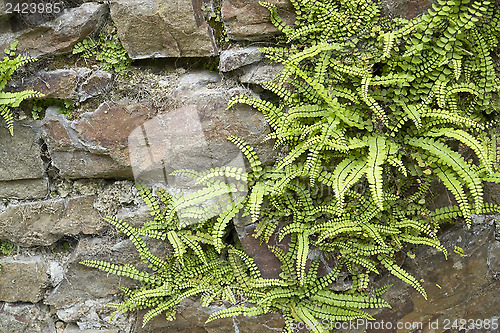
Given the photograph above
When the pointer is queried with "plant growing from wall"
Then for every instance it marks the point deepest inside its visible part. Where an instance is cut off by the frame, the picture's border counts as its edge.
(9, 100)
(373, 110)
(107, 49)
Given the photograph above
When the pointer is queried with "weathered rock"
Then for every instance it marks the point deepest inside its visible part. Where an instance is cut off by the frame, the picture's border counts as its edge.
(25, 318)
(260, 73)
(268, 264)
(78, 84)
(21, 165)
(97, 83)
(460, 287)
(24, 189)
(95, 146)
(20, 154)
(235, 58)
(191, 317)
(45, 222)
(79, 284)
(23, 279)
(58, 36)
(247, 20)
(153, 28)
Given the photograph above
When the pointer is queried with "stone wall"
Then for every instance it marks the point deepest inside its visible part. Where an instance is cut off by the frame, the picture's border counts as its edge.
(59, 177)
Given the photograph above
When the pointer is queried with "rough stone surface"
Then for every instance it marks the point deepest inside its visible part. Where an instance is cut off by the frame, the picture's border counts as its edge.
(23, 279)
(24, 189)
(235, 58)
(58, 36)
(25, 318)
(154, 28)
(72, 328)
(20, 154)
(95, 145)
(260, 73)
(45, 222)
(78, 84)
(195, 136)
(247, 20)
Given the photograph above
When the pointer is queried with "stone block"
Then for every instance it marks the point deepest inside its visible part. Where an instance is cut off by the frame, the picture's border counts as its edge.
(235, 58)
(248, 20)
(45, 222)
(20, 155)
(96, 145)
(25, 318)
(155, 29)
(23, 279)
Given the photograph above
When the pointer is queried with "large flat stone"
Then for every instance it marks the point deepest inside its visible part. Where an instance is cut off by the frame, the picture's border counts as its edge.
(461, 287)
(247, 20)
(22, 279)
(59, 35)
(154, 28)
(78, 84)
(25, 318)
(45, 222)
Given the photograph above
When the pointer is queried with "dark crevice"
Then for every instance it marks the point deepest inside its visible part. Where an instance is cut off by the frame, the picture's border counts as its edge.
(50, 171)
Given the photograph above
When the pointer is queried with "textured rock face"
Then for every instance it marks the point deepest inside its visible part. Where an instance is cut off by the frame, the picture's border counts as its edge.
(462, 287)
(21, 167)
(23, 279)
(45, 222)
(247, 20)
(155, 29)
(192, 318)
(25, 318)
(195, 135)
(95, 145)
(58, 36)
(235, 58)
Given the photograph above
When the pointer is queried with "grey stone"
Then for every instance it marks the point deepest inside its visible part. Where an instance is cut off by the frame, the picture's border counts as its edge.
(24, 189)
(460, 287)
(191, 317)
(95, 146)
(115, 196)
(260, 73)
(154, 28)
(25, 318)
(248, 20)
(235, 58)
(23, 279)
(20, 155)
(78, 84)
(405, 8)
(61, 34)
(45, 222)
